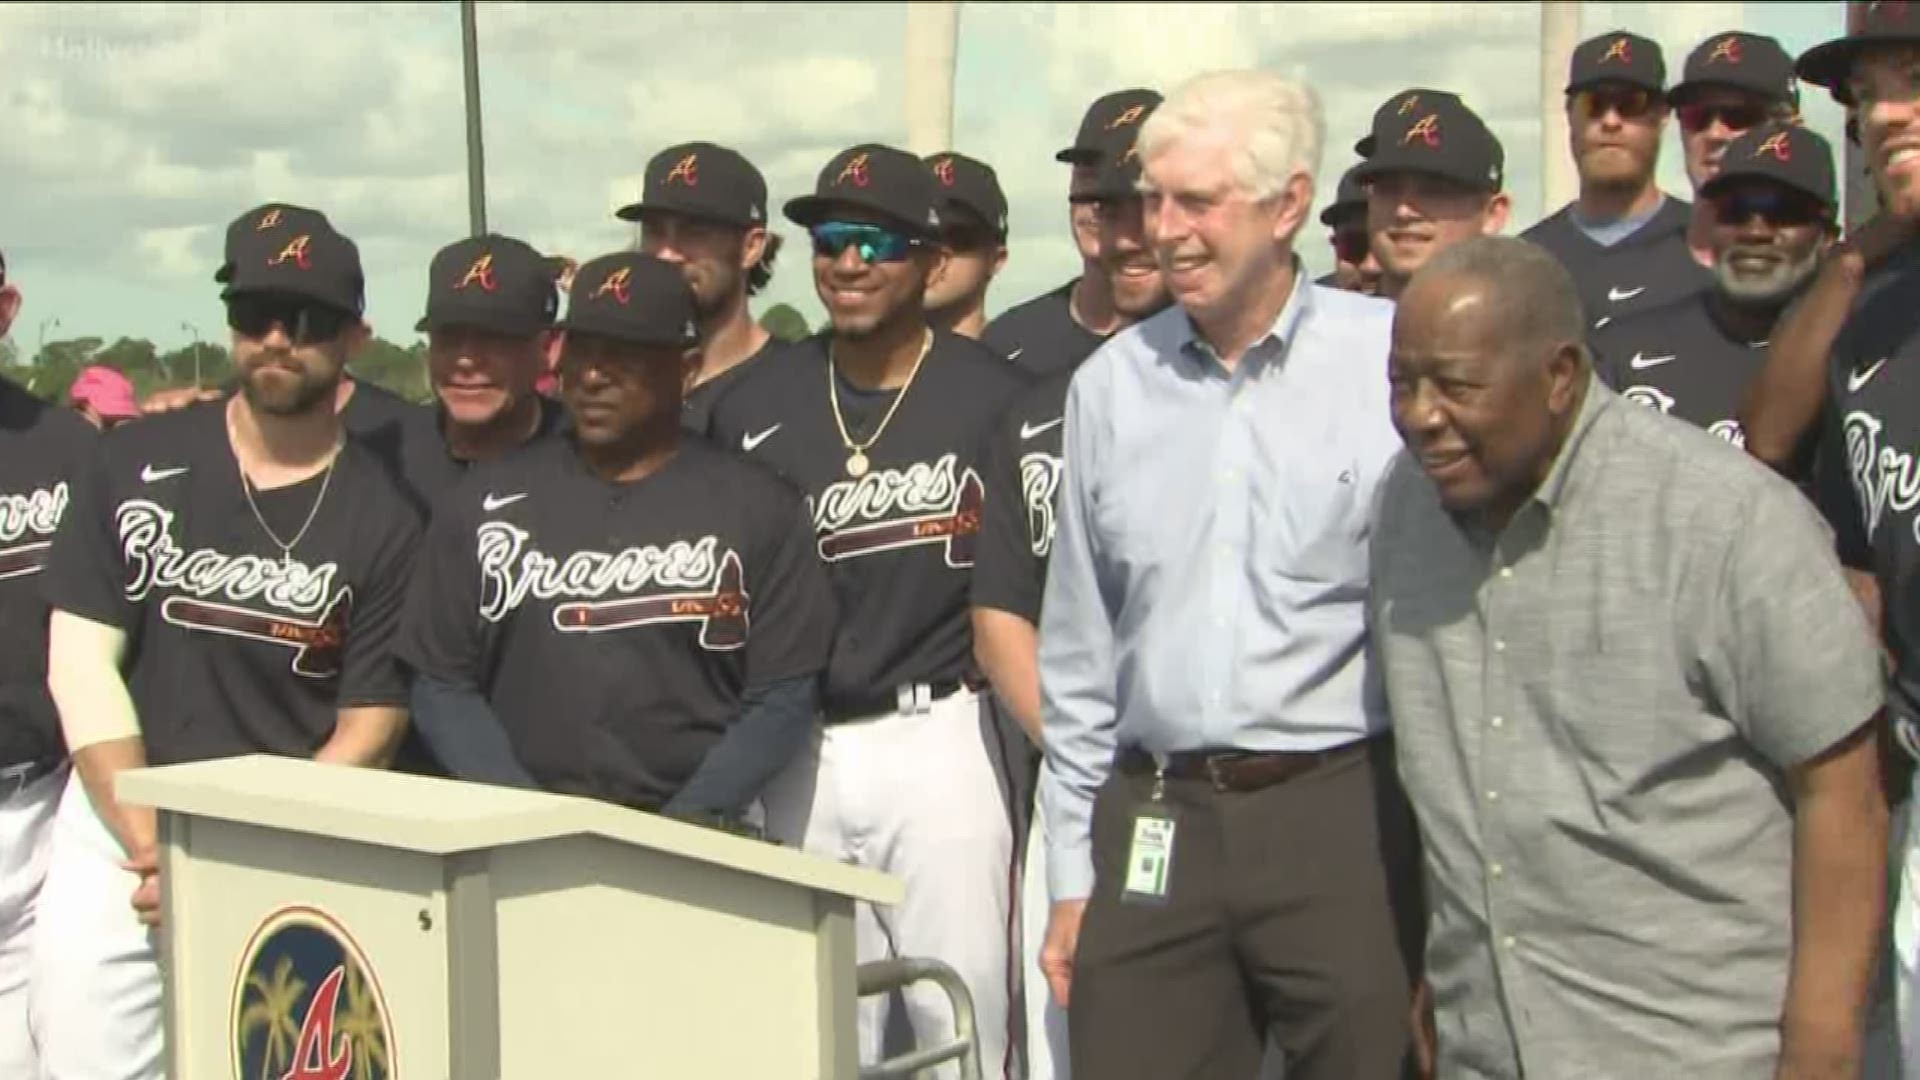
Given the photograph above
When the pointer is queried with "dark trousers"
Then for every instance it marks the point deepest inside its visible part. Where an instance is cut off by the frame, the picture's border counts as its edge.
(1292, 910)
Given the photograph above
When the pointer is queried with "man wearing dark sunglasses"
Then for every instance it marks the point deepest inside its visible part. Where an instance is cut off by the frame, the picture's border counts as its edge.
(704, 208)
(1354, 267)
(1773, 199)
(1623, 240)
(1734, 82)
(973, 212)
(882, 422)
(1436, 177)
(679, 684)
(42, 449)
(229, 582)
(1059, 328)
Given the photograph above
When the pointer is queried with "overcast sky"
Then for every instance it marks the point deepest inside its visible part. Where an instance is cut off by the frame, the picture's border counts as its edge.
(136, 131)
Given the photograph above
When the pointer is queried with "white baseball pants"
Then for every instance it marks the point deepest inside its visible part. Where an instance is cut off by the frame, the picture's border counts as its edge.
(26, 829)
(1046, 1020)
(912, 794)
(96, 972)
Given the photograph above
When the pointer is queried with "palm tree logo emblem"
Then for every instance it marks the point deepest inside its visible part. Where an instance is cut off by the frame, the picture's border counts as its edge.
(307, 1005)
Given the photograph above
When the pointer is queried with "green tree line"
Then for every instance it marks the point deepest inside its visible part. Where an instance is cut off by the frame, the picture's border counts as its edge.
(399, 368)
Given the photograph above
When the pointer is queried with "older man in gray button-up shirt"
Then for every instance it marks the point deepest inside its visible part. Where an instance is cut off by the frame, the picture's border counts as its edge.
(1635, 706)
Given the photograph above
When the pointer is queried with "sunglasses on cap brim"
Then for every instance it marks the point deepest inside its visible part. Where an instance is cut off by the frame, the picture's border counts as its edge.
(875, 243)
(306, 322)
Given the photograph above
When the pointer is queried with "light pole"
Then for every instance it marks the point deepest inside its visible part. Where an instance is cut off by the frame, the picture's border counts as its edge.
(476, 158)
(195, 331)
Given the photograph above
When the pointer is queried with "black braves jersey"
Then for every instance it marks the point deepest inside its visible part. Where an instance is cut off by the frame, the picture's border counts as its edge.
(1041, 336)
(1869, 482)
(378, 417)
(696, 411)
(1023, 475)
(1679, 360)
(43, 447)
(899, 541)
(233, 647)
(1651, 268)
(427, 470)
(614, 627)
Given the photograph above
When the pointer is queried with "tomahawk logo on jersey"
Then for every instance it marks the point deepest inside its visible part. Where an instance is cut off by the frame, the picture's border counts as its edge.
(899, 539)
(234, 644)
(614, 628)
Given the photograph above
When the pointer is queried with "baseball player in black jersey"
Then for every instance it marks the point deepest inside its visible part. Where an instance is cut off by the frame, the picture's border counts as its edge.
(1024, 466)
(229, 581)
(1732, 83)
(1623, 240)
(1873, 418)
(642, 613)
(973, 215)
(42, 448)
(1354, 267)
(882, 422)
(1057, 329)
(704, 208)
(1436, 177)
(1774, 205)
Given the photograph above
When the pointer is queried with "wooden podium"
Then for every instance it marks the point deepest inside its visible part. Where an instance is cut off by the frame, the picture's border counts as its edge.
(331, 923)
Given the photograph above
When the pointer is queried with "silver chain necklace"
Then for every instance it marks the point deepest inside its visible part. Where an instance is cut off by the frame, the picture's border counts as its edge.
(286, 548)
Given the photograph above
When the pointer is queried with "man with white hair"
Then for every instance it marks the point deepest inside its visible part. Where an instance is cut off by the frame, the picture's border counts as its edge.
(1230, 853)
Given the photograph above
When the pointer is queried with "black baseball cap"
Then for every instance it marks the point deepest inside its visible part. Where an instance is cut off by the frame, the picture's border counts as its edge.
(969, 192)
(307, 259)
(270, 217)
(1349, 198)
(879, 179)
(1618, 56)
(1399, 104)
(1114, 170)
(491, 282)
(1829, 63)
(1784, 153)
(1441, 137)
(1754, 63)
(1110, 112)
(704, 181)
(635, 298)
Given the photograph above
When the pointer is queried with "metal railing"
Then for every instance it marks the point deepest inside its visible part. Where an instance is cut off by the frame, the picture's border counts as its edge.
(886, 976)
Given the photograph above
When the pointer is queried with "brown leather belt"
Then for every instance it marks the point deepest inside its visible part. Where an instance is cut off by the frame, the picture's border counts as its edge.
(1239, 770)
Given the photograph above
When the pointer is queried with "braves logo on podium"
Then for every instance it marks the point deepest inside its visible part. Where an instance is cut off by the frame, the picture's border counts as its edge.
(306, 1004)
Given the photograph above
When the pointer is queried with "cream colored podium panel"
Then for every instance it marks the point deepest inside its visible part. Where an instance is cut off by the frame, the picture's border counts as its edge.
(331, 923)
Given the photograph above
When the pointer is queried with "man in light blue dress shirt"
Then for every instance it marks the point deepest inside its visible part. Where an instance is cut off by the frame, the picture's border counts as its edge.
(1230, 852)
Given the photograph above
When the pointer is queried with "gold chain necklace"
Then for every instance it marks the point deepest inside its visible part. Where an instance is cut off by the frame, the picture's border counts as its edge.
(857, 463)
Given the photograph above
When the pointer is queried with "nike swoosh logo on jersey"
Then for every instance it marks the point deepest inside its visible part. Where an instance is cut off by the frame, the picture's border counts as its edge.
(750, 442)
(492, 502)
(1617, 294)
(1028, 431)
(1641, 361)
(1858, 379)
(151, 475)
(1015, 354)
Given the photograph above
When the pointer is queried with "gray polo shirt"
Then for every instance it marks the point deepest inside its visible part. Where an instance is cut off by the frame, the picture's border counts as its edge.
(1595, 714)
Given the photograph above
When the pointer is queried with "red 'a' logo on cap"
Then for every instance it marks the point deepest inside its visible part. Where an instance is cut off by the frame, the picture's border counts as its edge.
(480, 273)
(267, 220)
(944, 170)
(1778, 146)
(1131, 116)
(296, 250)
(854, 171)
(615, 283)
(1727, 48)
(1621, 50)
(1427, 130)
(686, 170)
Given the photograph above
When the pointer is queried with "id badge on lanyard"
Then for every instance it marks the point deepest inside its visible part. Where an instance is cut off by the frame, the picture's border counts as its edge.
(1150, 857)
